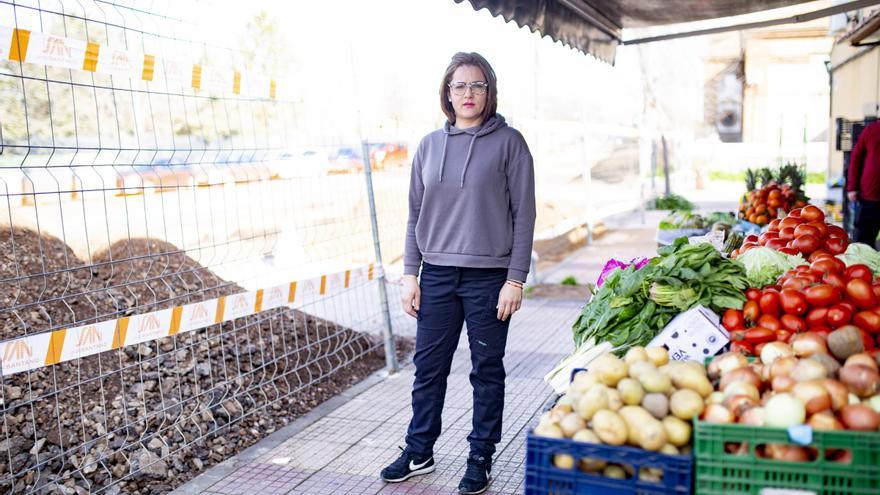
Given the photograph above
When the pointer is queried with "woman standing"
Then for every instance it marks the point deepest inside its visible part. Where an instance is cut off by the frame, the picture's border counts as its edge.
(470, 229)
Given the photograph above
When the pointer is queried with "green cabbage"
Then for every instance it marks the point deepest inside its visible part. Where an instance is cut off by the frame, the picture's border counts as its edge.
(858, 253)
(764, 265)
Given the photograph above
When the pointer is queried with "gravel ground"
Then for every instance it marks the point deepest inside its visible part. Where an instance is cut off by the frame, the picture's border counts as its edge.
(147, 418)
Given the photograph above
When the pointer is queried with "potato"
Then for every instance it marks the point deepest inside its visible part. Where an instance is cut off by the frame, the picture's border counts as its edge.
(636, 369)
(635, 354)
(594, 399)
(633, 416)
(654, 475)
(614, 471)
(658, 355)
(669, 449)
(563, 461)
(686, 404)
(657, 404)
(548, 419)
(614, 400)
(571, 423)
(549, 431)
(651, 435)
(565, 401)
(678, 432)
(654, 381)
(691, 376)
(631, 391)
(582, 382)
(609, 368)
(589, 464)
(610, 427)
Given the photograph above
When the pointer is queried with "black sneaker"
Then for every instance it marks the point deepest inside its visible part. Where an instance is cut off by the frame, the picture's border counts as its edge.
(406, 466)
(477, 477)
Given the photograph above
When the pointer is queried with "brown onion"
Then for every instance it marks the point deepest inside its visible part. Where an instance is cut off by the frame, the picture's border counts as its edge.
(726, 362)
(716, 413)
(808, 344)
(738, 404)
(861, 380)
(788, 453)
(782, 383)
(862, 358)
(808, 369)
(860, 417)
(775, 350)
(825, 421)
(829, 362)
(813, 395)
(838, 392)
(783, 366)
(742, 388)
(753, 417)
(746, 374)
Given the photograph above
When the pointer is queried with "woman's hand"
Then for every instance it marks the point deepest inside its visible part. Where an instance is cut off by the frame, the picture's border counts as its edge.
(411, 295)
(509, 301)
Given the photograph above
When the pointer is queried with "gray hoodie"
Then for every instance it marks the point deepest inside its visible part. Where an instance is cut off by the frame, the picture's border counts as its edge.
(472, 200)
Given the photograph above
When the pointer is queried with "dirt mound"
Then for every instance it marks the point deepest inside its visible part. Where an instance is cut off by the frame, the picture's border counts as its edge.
(148, 417)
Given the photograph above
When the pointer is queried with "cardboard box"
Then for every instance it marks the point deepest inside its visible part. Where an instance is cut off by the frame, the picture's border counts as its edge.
(693, 335)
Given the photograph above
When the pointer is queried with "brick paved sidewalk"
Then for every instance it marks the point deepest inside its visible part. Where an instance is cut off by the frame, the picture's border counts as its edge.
(341, 446)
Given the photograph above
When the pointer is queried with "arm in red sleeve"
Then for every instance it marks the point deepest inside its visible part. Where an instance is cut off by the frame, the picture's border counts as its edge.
(857, 160)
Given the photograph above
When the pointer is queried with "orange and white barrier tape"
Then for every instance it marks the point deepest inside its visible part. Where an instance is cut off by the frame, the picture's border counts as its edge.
(34, 47)
(45, 349)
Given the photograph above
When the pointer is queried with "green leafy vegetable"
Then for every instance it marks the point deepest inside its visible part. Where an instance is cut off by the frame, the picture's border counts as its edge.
(764, 265)
(858, 253)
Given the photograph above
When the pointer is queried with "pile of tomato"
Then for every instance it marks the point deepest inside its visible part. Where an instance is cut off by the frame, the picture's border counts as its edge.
(762, 205)
(803, 231)
(820, 297)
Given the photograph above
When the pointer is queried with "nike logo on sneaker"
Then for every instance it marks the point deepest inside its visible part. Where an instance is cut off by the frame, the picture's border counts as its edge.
(414, 467)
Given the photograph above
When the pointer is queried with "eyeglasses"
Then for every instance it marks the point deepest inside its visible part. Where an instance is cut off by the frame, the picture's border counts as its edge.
(477, 88)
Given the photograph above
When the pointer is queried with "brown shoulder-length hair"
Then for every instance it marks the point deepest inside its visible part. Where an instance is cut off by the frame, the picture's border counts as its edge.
(476, 60)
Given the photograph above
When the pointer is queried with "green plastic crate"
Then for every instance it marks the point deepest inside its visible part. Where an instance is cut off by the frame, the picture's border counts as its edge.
(721, 473)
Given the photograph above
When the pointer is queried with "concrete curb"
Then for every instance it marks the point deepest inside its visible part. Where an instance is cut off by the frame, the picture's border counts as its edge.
(215, 473)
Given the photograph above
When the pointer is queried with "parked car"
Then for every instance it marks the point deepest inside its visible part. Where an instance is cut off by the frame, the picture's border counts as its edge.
(307, 162)
(382, 155)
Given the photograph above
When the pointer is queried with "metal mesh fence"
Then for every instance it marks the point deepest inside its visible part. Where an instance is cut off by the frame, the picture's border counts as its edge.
(142, 171)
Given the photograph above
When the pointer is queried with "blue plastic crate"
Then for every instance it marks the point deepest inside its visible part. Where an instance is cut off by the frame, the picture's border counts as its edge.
(542, 477)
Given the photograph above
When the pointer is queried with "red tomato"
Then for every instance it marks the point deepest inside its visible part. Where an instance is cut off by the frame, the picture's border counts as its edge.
(807, 243)
(836, 245)
(834, 230)
(767, 236)
(796, 283)
(804, 229)
(822, 227)
(769, 322)
(753, 294)
(859, 271)
(786, 233)
(861, 294)
(742, 348)
(776, 244)
(867, 341)
(748, 245)
(792, 302)
(737, 335)
(876, 289)
(818, 255)
(795, 213)
(794, 324)
(868, 321)
(774, 225)
(759, 335)
(802, 268)
(828, 264)
(816, 317)
(783, 335)
(788, 250)
(838, 316)
(812, 213)
(849, 306)
(821, 331)
(822, 295)
(751, 238)
(733, 319)
(835, 280)
(769, 303)
(751, 311)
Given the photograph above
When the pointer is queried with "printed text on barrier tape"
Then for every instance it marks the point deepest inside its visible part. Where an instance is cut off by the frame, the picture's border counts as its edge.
(22, 45)
(45, 349)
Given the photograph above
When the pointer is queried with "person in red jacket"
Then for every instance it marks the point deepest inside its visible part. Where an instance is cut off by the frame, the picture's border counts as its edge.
(863, 184)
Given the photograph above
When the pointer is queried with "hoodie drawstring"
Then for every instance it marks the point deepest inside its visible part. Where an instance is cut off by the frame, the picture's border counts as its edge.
(466, 160)
(443, 155)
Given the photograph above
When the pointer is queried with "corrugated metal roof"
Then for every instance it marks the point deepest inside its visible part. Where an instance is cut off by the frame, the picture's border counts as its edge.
(594, 26)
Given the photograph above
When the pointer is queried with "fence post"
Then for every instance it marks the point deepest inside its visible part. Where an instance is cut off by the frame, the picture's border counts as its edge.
(390, 354)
